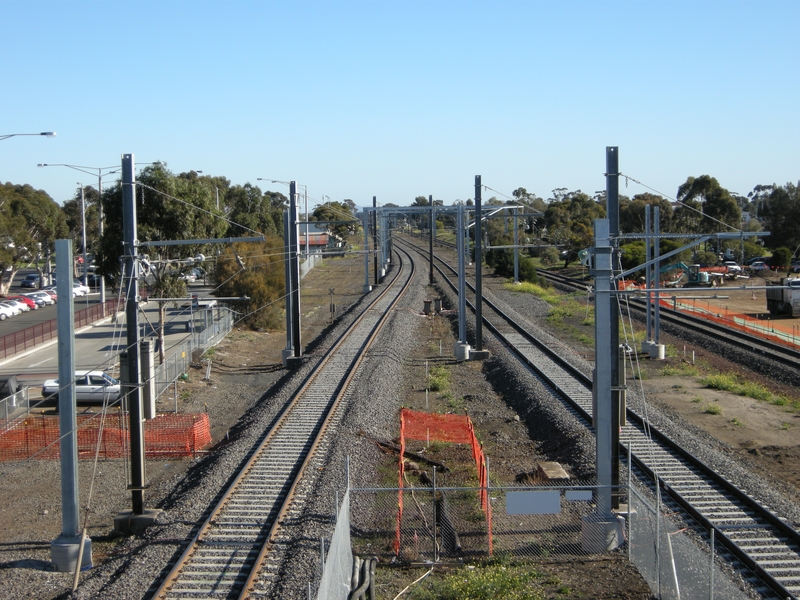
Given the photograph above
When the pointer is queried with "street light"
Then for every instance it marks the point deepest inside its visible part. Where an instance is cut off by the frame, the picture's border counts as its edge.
(305, 196)
(44, 133)
(91, 171)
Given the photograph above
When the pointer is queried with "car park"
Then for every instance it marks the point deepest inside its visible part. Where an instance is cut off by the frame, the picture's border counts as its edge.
(90, 386)
(30, 281)
(30, 302)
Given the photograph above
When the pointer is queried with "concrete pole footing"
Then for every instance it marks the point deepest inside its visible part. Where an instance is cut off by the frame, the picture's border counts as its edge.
(602, 533)
(64, 553)
(366, 289)
(461, 351)
(131, 524)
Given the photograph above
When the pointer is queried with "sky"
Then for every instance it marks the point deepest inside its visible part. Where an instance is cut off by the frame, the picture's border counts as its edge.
(397, 99)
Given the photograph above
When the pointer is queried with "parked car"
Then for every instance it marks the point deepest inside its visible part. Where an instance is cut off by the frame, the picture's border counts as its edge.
(7, 311)
(750, 261)
(732, 266)
(14, 306)
(38, 299)
(51, 293)
(30, 281)
(42, 298)
(189, 277)
(22, 306)
(759, 265)
(90, 386)
(78, 289)
(29, 301)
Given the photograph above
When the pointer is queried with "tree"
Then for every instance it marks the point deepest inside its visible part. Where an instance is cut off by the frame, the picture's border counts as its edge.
(719, 209)
(632, 213)
(254, 270)
(30, 223)
(168, 207)
(781, 213)
(570, 223)
(780, 258)
(338, 219)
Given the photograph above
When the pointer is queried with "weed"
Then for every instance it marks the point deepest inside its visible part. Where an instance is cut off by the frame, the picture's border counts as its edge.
(681, 370)
(721, 381)
(697, 399)
(210, 352)
(786, 426)
(677, 386)
(185, 394)
(755, 391)
(737, 422)
(548, 295)
(439, 379)
(779, 400)
(713, 409)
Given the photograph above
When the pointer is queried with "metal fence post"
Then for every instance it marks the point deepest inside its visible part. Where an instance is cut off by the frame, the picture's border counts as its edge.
(433, 504)
(711, 569)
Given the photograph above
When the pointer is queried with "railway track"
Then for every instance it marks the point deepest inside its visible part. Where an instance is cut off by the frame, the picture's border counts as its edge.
(752, 345)
(750, 532)
(231, 554)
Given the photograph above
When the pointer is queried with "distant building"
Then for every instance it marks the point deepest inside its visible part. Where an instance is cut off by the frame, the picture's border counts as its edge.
(319, 240)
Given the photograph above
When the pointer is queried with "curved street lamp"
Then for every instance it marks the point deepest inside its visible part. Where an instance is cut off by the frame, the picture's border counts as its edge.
(100, 173)
(44, 133)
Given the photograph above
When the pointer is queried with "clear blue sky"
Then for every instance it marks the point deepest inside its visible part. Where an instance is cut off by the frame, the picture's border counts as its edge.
(399, 99)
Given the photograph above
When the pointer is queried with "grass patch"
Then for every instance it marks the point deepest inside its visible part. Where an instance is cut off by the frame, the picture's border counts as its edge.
(548, 295)
(721, 381)
(681, 370)
(786, 426)
(713, 409)
(736, 422)
(697, 399)
(732, 383)
(510, 582)
(439, 379)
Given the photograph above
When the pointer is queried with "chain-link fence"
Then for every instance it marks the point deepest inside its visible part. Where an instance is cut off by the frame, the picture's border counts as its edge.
(441, 524)
(673, 552)
(208, 331)
(9, 408)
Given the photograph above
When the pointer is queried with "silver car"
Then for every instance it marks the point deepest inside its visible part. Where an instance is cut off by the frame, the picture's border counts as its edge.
(90, 386)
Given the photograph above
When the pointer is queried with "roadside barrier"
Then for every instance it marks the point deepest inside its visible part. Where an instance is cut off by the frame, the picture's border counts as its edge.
(167, 436)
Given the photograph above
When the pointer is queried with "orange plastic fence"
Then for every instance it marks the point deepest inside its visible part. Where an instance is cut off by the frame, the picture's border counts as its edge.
(167, 436)
(455, 429)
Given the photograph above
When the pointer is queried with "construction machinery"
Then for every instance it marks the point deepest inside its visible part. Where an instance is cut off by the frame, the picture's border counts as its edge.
(783, 297)
(691, 276)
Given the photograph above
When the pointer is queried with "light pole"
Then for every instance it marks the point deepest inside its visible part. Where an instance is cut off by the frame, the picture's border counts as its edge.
(100, 173)
(305, 197)
(44, 133)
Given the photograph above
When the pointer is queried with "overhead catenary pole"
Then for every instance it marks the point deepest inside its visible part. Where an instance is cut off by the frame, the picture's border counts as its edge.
(65, 548)
(375, 238)
(295, 266)
(365, 223)
(430, 241)
(287, 274)
(130, 284)
(516, 247)
(612, 205)
(478, 264)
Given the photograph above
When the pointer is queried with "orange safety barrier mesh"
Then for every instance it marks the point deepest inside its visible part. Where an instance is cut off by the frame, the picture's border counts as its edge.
(168, 435)
(455, 429)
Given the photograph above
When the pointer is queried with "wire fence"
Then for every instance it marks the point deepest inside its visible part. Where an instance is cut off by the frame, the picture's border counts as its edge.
(675, 555)
(207, 330)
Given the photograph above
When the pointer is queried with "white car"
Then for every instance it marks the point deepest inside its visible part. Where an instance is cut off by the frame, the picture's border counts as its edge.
(90, 386)
(732, 266)
(12, 306)
(6, 311)
(78, 289)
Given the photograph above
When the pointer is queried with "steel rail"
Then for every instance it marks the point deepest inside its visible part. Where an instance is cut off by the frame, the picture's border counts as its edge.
(758, 538)
(233, 541)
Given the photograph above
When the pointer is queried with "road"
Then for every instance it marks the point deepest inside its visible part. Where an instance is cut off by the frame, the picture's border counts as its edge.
(97, 346)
